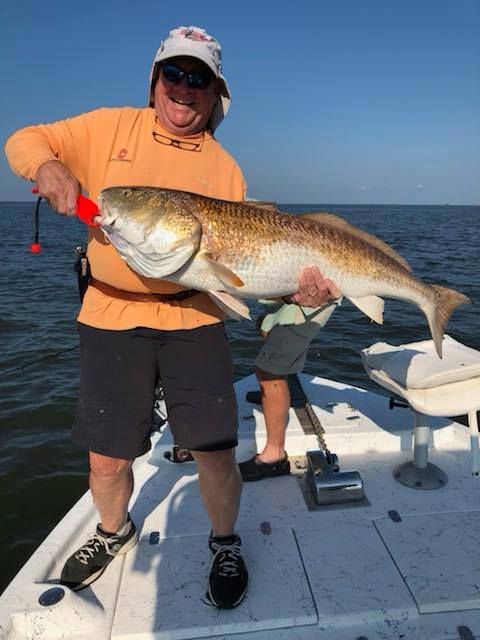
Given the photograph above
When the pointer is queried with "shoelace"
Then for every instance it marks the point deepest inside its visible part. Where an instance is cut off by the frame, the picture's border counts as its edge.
(228, 559)
(92, 546)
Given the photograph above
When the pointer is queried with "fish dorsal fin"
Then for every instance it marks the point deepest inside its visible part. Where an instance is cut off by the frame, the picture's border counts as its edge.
(259, 204)
(223, 273)
(230, 305)
(340, 223)
(371, 306)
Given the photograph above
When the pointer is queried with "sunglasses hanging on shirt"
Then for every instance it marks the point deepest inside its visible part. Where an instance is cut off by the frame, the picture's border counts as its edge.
(185, 145)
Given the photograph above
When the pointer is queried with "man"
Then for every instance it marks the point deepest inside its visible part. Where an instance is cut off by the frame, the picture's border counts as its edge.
(284, 352)
(133, 329)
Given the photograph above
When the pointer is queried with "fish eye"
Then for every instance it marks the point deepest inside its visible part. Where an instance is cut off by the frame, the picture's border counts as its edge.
(126, 192)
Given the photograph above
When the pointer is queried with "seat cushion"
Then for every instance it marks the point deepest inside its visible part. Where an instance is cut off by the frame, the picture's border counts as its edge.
(417, 366)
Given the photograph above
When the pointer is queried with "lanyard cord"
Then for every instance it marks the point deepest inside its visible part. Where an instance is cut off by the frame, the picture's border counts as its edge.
(81, 266)
(36, 247)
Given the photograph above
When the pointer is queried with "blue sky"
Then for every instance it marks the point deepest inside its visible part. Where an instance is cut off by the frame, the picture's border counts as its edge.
(345, 101)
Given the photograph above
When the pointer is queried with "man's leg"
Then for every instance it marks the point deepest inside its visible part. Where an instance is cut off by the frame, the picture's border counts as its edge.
(111, 485)
(197, 374)
(275, 396)
(113, 421)
(284, 352)
(220, 487)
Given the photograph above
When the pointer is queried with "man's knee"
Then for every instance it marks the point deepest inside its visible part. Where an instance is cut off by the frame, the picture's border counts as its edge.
(107, 467)
(215, 461)
(266, 377)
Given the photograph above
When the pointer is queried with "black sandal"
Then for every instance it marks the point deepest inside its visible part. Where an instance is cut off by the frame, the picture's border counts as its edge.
(254, 469)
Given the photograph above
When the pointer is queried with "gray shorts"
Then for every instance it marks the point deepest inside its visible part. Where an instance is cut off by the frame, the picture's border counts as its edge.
(286, 346)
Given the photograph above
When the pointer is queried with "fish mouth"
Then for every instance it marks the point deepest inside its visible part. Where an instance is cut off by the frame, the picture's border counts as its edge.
(107, 218)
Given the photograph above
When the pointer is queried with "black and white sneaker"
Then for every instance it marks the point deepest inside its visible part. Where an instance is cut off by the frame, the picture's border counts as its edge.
(228, 579)
(89, 562)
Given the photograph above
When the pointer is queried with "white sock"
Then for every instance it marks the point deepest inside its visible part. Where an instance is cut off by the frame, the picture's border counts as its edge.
(125, 529)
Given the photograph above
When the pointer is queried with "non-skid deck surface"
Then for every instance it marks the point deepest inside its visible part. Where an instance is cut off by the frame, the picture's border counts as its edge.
(438, 557)
(402, 566)
(164, 584)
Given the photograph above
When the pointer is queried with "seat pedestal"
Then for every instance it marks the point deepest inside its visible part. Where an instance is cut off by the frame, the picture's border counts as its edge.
(419, 473)
(432, 387)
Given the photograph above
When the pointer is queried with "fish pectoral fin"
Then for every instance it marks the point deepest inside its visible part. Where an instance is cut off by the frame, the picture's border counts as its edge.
(223, 273)
(232, 306)
(371, 306)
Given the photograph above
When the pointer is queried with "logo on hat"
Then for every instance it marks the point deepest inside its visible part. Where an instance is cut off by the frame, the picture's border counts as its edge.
(195, 35)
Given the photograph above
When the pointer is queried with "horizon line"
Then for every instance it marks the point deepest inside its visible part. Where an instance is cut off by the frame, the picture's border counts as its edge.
(341, 204)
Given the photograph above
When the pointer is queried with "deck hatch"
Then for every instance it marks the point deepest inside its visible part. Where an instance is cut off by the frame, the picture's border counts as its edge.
(438, 557)
(173, 573)
(352, 577)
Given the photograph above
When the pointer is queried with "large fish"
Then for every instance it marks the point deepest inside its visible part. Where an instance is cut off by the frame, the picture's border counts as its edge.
(237, 250)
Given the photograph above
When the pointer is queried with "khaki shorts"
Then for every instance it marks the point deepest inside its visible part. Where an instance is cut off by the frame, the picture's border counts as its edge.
(286, 346)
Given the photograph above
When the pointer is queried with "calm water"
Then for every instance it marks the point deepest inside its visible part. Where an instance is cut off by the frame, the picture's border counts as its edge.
(42, 473)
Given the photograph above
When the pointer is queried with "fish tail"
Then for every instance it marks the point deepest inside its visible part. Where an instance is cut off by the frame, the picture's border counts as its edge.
(444, 303)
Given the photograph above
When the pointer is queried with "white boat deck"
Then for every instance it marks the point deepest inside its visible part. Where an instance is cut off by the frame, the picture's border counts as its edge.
(403, 564)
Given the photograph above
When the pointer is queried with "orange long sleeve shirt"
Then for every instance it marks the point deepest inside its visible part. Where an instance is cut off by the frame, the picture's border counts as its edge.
(116, 147)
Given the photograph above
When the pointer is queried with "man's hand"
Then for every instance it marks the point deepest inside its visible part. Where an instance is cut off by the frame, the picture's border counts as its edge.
(314, 290)
(58, 186)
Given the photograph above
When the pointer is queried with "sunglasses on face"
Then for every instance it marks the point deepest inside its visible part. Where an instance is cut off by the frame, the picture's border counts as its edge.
(195, 79)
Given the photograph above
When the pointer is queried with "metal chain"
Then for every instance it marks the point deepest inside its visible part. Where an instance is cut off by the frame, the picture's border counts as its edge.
(316, 426)
(301, 405)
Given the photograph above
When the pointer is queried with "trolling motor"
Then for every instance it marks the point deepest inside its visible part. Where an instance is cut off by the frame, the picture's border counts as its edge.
(328, 484)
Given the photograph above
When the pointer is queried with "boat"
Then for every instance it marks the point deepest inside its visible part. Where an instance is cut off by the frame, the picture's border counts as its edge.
(339, 550)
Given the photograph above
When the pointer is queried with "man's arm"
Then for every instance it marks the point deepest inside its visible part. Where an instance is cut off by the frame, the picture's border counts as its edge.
(54, 155)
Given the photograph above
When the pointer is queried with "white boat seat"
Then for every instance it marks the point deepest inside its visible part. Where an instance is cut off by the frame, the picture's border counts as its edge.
(432, 386)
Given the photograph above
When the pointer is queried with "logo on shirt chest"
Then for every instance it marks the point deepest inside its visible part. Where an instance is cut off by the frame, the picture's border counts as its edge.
(122, 155)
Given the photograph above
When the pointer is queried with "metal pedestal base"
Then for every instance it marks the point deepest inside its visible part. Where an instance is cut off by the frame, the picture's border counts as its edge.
(428, 477)
(419, 473)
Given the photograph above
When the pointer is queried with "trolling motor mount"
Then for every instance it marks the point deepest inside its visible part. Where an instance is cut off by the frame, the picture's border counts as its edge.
(328, 484)
(323, 477)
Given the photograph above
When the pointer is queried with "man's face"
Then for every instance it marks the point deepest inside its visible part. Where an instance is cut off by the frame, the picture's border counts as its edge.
(181, 109)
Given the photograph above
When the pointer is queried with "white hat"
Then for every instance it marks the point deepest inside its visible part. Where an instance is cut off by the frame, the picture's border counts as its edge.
(195, 42)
